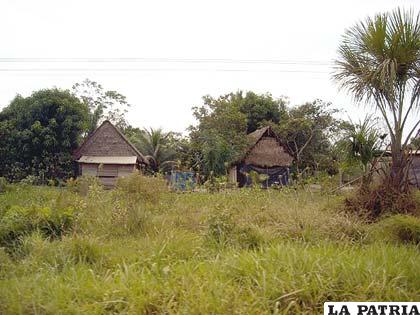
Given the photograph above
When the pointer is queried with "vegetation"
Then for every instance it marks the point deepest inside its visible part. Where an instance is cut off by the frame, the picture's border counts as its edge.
(140, 248)
(245, 251)
(361, 145)
(38, 134)
(157, 146)
(102, 104)
(307, 131)
(379, 64)
(219, 138)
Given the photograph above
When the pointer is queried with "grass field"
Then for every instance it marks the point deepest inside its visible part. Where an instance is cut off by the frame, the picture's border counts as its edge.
(235, 252)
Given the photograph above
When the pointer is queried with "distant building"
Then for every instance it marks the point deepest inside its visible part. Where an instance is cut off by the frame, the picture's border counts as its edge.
(265, 155)
(108, 154)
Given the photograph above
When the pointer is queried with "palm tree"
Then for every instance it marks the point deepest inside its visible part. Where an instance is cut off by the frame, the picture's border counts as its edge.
(379, 63)
(155, 145)
(362, 143)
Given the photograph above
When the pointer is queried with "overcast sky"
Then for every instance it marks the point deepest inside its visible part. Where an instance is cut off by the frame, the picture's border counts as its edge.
(183, 50)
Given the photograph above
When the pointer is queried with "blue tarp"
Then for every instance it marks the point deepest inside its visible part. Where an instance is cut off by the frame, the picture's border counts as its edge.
(182, 180)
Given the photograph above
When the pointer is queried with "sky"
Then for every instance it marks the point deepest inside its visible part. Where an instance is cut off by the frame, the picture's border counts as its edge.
(165, 55)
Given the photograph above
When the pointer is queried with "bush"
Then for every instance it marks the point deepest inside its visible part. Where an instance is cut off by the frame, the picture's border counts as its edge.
(137, 188)
(84, 184)
(17, 221)
(398, 228)
(3, 184)
(83, 250)
(220, 227)
(372, 203)
(223, 231)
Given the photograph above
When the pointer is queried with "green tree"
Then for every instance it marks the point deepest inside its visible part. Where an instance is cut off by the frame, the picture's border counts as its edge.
(258, 108)
(158, 148)
(361, 145)
(39, 133)
(102, 104)
(307, 131)
(379, 63)
(220, 135)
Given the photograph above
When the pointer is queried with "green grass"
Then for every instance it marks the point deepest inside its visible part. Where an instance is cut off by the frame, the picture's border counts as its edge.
(239, 252)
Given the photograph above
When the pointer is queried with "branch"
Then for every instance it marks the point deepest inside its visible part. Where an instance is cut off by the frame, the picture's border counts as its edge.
(411, 133)
(307, 142)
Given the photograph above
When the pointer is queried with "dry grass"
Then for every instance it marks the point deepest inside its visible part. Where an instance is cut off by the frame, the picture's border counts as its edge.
(235, 252)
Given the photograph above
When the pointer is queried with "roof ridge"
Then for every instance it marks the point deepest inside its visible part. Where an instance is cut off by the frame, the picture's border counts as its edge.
(76, 153)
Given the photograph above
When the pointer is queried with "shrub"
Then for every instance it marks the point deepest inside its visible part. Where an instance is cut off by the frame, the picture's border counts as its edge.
(3, 184)
(398, 228)
(17, 221)
(248, 237)
(69, 251)
(220, 227)
(137, 187)
(31, 180)
(84, 184)
(374, 202)
(83, 250)
(223, 231)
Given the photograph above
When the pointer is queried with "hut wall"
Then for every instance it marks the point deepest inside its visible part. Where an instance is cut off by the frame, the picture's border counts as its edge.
(107, 173)
(125, 170)
(90, 169)
(268, 153)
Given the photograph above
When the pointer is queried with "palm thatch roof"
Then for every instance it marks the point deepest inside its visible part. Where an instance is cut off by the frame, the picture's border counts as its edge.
(108, 140)
(265, 149)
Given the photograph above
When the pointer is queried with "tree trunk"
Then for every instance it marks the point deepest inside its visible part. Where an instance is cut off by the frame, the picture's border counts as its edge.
(398, 174)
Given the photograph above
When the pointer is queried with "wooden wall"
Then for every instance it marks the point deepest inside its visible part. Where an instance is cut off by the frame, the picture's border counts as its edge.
(107, 173)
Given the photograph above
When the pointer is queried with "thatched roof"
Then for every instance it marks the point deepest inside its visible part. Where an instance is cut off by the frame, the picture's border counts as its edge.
(265, 149)
(108, 140)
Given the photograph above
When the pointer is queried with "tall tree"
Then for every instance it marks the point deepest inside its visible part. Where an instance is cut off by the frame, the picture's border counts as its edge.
(223, 122)
(379, 63)
(39, 133)
(307, 130)
(102, 104)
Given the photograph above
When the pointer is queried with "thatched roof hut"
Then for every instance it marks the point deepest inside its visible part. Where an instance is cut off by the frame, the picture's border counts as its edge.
(266, 155)
(108, 154)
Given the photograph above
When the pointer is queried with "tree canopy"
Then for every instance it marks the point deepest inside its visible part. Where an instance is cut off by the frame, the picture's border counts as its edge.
(102, 104)
(39, 133)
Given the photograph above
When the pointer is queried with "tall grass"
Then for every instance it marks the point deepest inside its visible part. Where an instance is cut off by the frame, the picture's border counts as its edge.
(233, 252)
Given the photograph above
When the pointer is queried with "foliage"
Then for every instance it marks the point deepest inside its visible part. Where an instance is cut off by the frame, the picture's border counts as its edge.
(415, 142)
(102, 104)
(307, 131)
(137, 188)
(220, 136)
(363, 142)
(296, 239)
(158, 147)
(17, 221)
(3, 184)
(360, 146)
(223, 231)
(84, 184)
(379, 62)
(372, 203)
(39, 133)
(398, 228)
